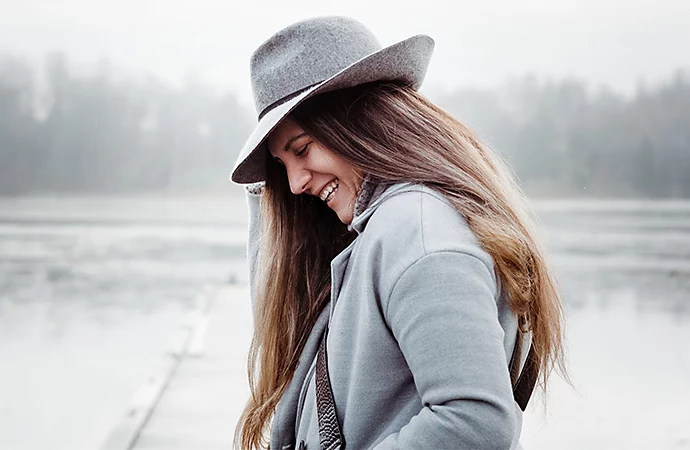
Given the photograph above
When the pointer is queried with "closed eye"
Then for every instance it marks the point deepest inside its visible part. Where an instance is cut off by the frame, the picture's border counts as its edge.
(302, 151)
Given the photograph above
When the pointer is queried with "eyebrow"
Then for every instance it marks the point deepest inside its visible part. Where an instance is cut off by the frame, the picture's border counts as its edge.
(289, 143)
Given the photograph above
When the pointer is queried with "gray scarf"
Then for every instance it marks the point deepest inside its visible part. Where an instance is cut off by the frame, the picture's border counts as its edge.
(370, 189)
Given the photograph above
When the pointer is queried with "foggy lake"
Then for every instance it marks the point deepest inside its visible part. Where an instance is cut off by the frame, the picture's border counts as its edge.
(92, 290)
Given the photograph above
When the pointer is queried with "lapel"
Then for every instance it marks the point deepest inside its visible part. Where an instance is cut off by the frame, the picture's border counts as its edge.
(338, 268)
(283, 426)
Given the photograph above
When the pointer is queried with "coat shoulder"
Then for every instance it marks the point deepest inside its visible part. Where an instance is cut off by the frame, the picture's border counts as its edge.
(416, 221)
(426, 216)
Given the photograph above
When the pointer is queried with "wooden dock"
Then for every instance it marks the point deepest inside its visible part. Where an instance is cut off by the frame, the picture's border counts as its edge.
(196, 393)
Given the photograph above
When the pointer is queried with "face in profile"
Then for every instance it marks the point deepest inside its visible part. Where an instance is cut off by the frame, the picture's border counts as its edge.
(314, 169)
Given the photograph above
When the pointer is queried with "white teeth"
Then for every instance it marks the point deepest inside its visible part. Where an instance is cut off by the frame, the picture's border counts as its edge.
(327, 192)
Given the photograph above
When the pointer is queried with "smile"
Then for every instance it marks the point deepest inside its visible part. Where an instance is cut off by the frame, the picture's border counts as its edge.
(329, 191)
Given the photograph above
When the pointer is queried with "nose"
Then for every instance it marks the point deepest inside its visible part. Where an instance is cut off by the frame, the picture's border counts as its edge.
(298, 177)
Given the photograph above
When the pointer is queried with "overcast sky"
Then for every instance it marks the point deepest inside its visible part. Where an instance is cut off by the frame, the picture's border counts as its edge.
(478, 42)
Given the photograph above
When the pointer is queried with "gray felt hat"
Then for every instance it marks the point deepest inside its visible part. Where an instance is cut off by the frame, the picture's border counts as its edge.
(316, 56)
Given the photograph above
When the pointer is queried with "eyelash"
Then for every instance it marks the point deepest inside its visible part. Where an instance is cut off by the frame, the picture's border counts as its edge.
(302, 151)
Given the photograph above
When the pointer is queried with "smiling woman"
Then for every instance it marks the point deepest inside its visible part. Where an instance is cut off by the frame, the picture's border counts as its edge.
(314, 169)
(401, 300)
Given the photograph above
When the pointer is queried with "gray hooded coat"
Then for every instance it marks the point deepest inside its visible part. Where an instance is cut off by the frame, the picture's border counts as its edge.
(420, 335)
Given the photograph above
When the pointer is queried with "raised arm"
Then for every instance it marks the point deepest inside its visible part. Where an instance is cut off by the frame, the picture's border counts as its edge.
(253, 202)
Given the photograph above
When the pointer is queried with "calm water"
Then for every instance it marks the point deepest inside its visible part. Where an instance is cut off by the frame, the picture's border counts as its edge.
(93, 290)
(625, 271)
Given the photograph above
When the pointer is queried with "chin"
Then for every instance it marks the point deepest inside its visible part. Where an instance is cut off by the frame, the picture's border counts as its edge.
(345, 213)
(344, 217)
(346, 220)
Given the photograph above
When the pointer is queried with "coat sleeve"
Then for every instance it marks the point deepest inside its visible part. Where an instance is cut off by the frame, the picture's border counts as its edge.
(443, 313)
(253, 192)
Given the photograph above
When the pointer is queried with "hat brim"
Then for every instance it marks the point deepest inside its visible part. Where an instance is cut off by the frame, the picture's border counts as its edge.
(407, 61)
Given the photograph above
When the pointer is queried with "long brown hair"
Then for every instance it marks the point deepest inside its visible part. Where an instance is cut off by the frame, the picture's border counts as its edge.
(393, 133)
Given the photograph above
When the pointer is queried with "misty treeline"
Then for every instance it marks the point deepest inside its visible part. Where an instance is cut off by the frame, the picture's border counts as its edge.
(64, 132)
(104, 133)
(561, 138)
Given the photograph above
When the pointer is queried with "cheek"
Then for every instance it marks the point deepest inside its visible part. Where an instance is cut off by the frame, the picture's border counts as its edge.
(325, 159)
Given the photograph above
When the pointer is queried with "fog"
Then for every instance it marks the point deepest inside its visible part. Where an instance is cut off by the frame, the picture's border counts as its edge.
(479, 42)
(103, 133)
(120, 123)
(582, 98)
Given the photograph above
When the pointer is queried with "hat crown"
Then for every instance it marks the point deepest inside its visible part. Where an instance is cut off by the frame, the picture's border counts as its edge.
(305, 54)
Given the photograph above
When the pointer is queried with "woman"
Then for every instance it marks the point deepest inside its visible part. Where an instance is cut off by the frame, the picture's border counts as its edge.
(396, 282)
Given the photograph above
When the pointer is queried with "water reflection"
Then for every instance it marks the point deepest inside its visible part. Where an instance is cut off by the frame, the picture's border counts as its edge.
(127, 257)
(642, 291)
(612, 252)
